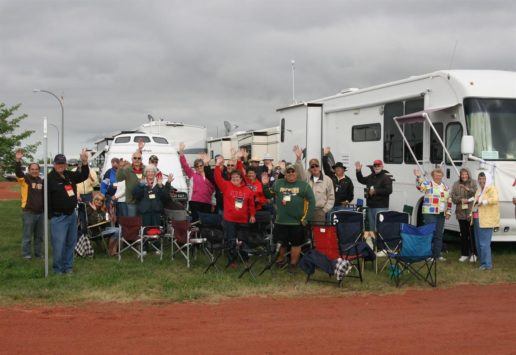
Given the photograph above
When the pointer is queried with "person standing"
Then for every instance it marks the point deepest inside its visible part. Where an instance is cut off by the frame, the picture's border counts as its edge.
(321, 185)
(377, 191)
(238, 206)
(462, 195)
(31, 188)
(108, 184)
(295, 203)
(436, 206)
(202, 188)
(62, 202)
(486, 216)
(344, 189)
(132, 175)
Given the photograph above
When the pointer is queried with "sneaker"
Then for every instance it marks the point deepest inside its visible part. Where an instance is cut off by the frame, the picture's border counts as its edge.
(441, 258)
(157, 252)
(27, 257)
(473, 259)
(144, 253)
(233, 265)
(463, 258)
(484, 268)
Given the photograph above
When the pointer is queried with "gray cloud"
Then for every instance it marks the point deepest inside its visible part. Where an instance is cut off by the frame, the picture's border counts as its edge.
(205, 62)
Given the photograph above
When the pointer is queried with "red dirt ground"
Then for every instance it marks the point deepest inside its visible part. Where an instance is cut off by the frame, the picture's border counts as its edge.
(465, 319)
(8, 191)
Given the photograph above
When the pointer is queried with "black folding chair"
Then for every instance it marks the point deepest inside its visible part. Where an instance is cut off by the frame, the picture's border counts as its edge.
(388, 238)
(254, 242)
(90, 231)
(350, 229)
(210, 230)
(414, 258)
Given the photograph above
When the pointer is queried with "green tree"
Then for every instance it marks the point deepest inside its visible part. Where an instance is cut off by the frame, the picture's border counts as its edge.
(10, 141)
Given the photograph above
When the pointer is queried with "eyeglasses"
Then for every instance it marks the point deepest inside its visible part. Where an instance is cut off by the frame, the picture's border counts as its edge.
(137, 158)
(376, 165)
(231, 164)
(291, 171)
(314, 166)
(199, 166)
(153, 161)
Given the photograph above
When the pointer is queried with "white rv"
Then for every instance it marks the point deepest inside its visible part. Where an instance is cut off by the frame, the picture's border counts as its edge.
(194, 137)
(124, 145)
(473, 112)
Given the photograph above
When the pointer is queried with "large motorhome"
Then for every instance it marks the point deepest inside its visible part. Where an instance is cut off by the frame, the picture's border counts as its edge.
(451, 119)
(124, 145)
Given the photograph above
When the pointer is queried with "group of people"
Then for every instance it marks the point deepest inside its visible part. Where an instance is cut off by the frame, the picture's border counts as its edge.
(239, 188)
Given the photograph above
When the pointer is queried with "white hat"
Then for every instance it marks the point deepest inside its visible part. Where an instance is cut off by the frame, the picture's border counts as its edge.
(267, 156)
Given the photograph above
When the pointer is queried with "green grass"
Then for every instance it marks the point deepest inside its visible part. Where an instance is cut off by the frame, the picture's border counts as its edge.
(106, 279)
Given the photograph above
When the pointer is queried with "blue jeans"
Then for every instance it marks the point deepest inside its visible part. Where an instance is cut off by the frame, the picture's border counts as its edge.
(113, 232)
(64, 237)
(371, 216)
(437, 241)
(483, 242)
(33, 225)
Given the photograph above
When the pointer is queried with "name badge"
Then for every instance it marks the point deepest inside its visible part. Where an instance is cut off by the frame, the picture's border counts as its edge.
(152, 196)
(39, 186)
(239, 203)
(464, 206)
(286, 198)
(139, 176)
(69, 190)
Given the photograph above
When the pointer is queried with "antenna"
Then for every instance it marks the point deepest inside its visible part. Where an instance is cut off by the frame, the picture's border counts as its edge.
(150, 118)
(453, 54)
(293, 63)
(227, 127)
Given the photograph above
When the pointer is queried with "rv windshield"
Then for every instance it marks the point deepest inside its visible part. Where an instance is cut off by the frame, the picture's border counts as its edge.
(492, 123)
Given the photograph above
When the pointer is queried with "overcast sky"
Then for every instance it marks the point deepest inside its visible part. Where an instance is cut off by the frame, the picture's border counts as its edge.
(203, 62)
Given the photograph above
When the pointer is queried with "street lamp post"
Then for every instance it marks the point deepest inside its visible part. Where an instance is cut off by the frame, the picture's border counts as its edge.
(60, 100)
(57, 130)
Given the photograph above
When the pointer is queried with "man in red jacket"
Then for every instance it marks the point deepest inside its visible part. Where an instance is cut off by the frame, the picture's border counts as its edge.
(238, 206)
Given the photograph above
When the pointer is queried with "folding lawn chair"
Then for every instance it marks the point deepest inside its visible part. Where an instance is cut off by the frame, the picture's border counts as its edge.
(130, 237)
(350, 229)
(185, 236)
(388, 238)
(210, 230)
(254, 242)
(414, 256)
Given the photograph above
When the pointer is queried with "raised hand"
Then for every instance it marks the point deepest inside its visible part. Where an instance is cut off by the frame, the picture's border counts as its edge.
(85, 156)
(298, 152)
(159, 179)
(326, 151)
(205, 158)
(417, 173)
(219, 161)
(233, 152)
(170, 178)
(19, 154)
(182, 148)
(282, 165)
(358, 166)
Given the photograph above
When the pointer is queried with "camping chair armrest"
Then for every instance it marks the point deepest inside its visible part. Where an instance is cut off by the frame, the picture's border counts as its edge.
(99, 224)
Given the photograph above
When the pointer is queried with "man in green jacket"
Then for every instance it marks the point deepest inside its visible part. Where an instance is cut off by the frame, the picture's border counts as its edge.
(295, 204)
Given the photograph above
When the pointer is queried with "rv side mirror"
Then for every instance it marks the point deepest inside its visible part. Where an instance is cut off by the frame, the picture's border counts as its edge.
(467, 145)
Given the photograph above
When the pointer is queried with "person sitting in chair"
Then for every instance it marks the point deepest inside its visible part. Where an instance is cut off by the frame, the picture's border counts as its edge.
(150, 196)
(98, 224)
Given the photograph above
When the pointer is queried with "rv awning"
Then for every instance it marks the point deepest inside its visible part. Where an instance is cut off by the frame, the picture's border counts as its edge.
(419, 116)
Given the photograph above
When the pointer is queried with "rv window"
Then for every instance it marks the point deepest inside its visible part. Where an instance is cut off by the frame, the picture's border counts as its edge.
(125, 139)
(366, 132)
(145, 139)
(282, 133)
(392, 140)
(436, 149)
(453, 138)
(160, 140)
(414, 134)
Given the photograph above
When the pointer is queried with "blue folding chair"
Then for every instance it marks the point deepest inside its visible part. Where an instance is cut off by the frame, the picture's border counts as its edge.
(388, 238)
(414, 258)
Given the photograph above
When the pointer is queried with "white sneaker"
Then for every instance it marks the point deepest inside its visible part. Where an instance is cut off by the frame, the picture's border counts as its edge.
(441, 258)
(473, 259)
(463, 258)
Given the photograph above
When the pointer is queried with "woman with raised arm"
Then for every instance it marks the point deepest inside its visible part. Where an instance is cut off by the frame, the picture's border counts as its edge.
(202, 188)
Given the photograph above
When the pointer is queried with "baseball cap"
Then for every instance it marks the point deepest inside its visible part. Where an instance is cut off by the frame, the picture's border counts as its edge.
(153, 158)
(60, 159)
(378, 162)
(290, 167)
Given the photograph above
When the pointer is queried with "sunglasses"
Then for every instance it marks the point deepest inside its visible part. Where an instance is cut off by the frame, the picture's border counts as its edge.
(199, 166)
(137, 158)
(314, 166)
(291, 171)
(231, 164)
(376, 165)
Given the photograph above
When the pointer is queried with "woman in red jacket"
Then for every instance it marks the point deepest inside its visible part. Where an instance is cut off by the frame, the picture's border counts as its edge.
(238, 205)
